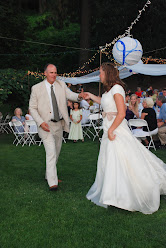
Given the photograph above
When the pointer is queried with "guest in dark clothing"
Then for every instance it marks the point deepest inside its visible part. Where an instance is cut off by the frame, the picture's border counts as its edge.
(129, 114)
(132, 109)
(148, 114)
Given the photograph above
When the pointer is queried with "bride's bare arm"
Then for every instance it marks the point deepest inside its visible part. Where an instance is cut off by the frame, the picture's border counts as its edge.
(96, 99)
(121, 113)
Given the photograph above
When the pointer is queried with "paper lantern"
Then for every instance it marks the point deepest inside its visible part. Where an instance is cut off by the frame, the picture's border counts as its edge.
(127, 51)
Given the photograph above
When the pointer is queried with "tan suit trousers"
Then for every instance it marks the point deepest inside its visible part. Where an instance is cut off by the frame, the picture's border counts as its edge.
(52, 144)
(162, 134)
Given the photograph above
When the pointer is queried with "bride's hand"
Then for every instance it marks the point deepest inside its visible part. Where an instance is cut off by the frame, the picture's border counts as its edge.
(87, 95)
(111, 136)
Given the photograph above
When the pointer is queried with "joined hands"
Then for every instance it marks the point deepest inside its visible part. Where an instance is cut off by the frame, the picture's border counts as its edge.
(85, 95)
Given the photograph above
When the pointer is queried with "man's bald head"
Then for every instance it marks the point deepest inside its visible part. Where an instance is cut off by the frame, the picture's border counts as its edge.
(49, 65)
(50, 71)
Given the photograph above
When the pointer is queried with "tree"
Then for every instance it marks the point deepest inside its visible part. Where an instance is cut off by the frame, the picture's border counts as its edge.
(85, 30)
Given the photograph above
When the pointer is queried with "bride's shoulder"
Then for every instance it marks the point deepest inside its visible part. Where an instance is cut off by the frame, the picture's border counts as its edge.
(117, 88)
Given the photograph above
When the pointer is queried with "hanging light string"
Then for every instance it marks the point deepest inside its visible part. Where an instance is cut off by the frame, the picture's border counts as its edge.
(47, 44)
(144, 59)
(108, 46)
(127, 31)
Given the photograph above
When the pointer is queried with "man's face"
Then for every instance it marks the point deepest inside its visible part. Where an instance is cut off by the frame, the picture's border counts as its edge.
(159, 103)
(51, 73)
(164, 93)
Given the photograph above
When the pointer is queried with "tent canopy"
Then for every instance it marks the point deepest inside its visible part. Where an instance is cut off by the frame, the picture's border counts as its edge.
(124, 72)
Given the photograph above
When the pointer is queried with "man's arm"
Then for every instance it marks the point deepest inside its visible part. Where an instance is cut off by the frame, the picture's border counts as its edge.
(72, 96)
(33, 107)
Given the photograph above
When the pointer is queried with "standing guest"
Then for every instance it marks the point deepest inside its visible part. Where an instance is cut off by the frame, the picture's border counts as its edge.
(69, 106)
(85, 111)
(69, 86)
(139, 91)
(164, 92)
(128, 175)
(127, 98)
(161, 122)
(1, 116)
(80, 89)
(160, 92)
(75, 128)
(18, 117)
(149, 93)
(48, 107)
(155, 94)
(150, 88)
(148, 114)
(132, 109)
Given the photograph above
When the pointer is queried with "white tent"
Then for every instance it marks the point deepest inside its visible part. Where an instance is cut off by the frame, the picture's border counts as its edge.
(124, 72)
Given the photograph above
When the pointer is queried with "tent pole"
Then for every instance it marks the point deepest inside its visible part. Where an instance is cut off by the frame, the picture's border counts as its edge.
(99, 96)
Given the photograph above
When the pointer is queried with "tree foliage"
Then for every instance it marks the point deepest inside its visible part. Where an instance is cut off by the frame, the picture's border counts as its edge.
(15, 87)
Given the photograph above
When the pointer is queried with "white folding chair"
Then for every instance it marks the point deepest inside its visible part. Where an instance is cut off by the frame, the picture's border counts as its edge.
(31, 129)
(92, 108)
(4, 124)
(96, 123)
(20, 133)
(19, 136)
(142, 123)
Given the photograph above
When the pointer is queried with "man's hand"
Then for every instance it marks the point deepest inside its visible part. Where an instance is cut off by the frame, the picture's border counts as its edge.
(159, 124)
(87, 95)
(45, 127)
(81, 95)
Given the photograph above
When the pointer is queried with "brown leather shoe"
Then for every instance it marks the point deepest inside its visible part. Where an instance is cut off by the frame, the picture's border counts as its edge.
(53, 188)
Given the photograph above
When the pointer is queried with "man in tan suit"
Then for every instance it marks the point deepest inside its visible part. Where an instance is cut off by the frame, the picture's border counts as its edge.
(51, 117)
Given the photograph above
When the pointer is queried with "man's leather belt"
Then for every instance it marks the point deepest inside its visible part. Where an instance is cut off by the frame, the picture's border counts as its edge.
(55, 120)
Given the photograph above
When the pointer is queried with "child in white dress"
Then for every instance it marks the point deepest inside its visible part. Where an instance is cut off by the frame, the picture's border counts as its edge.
(75, 128)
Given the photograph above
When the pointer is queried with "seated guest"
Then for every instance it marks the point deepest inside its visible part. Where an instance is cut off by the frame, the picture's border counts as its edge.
(140, 106)
(132, 109)
(18, 117)
(148, 114)
(161, 122)
(33, 128)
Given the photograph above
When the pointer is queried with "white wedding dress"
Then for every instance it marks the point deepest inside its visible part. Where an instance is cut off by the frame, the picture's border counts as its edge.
(128, 175)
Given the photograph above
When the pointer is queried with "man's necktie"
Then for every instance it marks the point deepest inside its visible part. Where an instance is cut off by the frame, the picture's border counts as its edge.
(54, 105)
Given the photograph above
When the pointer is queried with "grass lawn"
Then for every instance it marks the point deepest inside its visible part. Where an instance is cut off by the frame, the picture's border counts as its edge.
(32, 216)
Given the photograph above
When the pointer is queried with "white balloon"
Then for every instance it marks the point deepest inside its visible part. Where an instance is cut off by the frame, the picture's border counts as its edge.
(127, 51)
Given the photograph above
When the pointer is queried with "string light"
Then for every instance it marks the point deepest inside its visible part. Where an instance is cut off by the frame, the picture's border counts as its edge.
(108, 45)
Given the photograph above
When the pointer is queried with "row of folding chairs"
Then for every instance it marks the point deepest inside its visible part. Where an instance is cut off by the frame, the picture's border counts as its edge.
(93, 128)
(25, 135)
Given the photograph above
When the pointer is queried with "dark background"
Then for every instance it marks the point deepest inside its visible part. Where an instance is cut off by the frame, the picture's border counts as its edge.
(74, 23)
(65, 26)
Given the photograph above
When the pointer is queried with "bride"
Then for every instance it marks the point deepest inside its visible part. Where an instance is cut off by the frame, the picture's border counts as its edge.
(128, 175)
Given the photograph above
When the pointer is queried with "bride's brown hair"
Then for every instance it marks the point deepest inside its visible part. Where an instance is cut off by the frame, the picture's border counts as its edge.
(111, 76)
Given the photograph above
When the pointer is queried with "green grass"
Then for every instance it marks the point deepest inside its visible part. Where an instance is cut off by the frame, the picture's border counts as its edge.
(32, 216)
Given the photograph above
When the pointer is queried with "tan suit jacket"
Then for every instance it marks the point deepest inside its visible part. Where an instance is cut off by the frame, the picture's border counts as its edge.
(39, 104)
